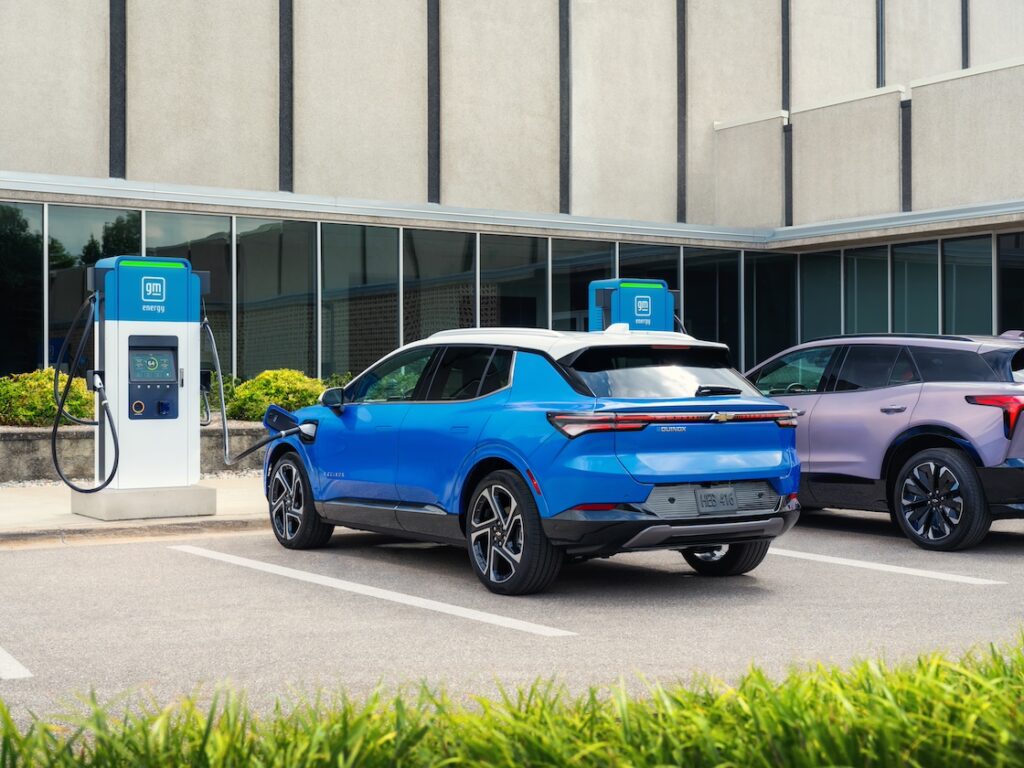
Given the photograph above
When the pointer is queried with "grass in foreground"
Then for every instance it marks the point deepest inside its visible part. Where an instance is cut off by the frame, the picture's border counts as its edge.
(935, 712)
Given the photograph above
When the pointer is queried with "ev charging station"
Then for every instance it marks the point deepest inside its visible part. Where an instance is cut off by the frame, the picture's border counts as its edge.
(146, 319)
(642, 305)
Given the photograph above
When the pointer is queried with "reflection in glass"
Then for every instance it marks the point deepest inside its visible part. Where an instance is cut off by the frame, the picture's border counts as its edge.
(711, 292)
(769, 282)
(575, 264)
(513, 281)
(867, 289)
(439, 281)
(821, 295)
(21, 287)
(1011, 278)
(967, 285)
(206, 242)
(79, 237)
(658, 262)
(915, 288)
(276, 296)
(360, 296)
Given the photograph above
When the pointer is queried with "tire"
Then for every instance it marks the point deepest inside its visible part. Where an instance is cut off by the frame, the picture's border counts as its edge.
(728, 559)
(938, 501)
(292, 512)
(508, 549)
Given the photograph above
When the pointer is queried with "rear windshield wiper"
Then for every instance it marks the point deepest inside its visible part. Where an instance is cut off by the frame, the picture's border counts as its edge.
(713, 390)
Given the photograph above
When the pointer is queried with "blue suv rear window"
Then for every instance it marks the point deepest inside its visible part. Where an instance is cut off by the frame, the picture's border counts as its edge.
(659, 372)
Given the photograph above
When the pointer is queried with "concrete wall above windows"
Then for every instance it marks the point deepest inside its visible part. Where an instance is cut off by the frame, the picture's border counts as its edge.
(846, 158)
(749, 184)
(922, 38)
(360, 116)
(54, 105)
(832, 50)
(968, 138)
(734, 70)
(202, 92)
(624, 109)
(499, 104)
(996, 31)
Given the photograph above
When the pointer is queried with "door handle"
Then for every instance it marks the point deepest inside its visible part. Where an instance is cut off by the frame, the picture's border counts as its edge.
(800, 412)
(893, 408)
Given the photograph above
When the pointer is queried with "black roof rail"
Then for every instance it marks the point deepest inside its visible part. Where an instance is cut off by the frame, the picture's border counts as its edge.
(943, 337)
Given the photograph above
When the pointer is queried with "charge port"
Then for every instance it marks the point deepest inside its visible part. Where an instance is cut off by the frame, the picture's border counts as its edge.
(163, 408)
(138, 407)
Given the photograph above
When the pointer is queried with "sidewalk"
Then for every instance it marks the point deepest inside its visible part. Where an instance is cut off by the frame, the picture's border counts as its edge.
(30, 512)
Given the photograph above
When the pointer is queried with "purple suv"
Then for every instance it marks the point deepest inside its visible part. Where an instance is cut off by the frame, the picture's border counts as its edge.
(924, 427)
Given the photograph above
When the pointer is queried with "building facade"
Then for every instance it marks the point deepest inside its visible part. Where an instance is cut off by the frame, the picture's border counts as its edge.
(356, 174)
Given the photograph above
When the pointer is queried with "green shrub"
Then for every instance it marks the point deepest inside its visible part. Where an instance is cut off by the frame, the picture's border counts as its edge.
(286, 388)
(26, 399)
(337, 380)
(935, 712)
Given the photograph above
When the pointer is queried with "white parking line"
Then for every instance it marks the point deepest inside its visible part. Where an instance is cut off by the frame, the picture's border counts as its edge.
(381, 594)
(11, 668)
(938, 575)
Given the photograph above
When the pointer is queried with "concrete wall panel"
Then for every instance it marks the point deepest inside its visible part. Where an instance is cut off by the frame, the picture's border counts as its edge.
(361, 99)
(749, 183)
(203, 92)
(624, 109)
(968, 139)
(996, 31)
(832, 50)
(499, 104)
(846, 159)
(54, 87)
(734, 70)
(922, 39)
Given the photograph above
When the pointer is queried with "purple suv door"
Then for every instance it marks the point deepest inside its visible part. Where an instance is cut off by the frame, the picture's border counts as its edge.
(867, 403)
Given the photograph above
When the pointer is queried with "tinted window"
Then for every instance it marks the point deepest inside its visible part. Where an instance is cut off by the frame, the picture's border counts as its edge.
(796, 372)
(394, 379)
(652, 372)
(938, 364)
(498, 372)
(867, 366)
(903, 371)
(459, 375)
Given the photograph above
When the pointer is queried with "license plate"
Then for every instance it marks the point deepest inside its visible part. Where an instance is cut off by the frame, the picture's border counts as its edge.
(713, 501)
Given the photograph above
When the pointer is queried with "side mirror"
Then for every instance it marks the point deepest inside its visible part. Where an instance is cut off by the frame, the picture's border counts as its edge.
(333, 398)
(277, 419)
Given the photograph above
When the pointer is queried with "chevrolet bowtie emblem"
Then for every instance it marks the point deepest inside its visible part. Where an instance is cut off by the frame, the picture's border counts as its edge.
(722, 416)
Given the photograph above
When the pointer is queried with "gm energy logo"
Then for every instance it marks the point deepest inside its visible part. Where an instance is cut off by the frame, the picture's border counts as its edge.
(642, 306)
(154, 294)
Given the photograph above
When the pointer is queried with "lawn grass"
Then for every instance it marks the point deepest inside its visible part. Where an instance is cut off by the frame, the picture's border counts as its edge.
(934, 712)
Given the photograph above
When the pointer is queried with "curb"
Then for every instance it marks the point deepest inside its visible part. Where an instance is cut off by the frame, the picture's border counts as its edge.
(133, 529)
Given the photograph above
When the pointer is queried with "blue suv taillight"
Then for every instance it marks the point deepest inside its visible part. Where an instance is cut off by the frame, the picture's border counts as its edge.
(574, 424)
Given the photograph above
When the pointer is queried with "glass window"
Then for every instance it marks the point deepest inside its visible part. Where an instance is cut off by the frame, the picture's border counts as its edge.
(796, 373)
(769, 313)
(575, 265)
(820, 295)
(513, 281)
(711, 296)
(867, 366)
(394, 379)
(79, 237)
(915, 288)
(867, 289)
(659, 372)
(903, 370)
(439, 281)
(1011, 281)
(967, 285)
(276, 296)
(360, 296)
(21, 287)
(460, 373)
(498, 372)
(206, 242)
(658, 262)
(939, 364)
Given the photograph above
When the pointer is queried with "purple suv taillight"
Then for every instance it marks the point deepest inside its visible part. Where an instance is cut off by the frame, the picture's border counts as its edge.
(1011, 405)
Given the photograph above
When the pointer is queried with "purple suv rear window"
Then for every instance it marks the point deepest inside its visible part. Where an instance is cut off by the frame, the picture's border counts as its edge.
(939, 364)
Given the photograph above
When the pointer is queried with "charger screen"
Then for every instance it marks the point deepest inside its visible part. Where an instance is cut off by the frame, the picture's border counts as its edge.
(151, 365)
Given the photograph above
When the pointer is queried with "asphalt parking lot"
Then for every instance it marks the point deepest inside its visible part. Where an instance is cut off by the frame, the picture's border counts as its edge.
(166, 616)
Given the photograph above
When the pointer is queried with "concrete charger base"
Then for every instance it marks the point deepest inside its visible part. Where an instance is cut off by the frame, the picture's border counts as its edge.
(145, 503)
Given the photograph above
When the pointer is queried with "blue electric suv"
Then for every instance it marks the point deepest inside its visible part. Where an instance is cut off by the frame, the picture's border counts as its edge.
(531, 447)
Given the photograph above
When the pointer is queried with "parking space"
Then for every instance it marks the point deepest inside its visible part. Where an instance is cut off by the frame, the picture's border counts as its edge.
(165, 616)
